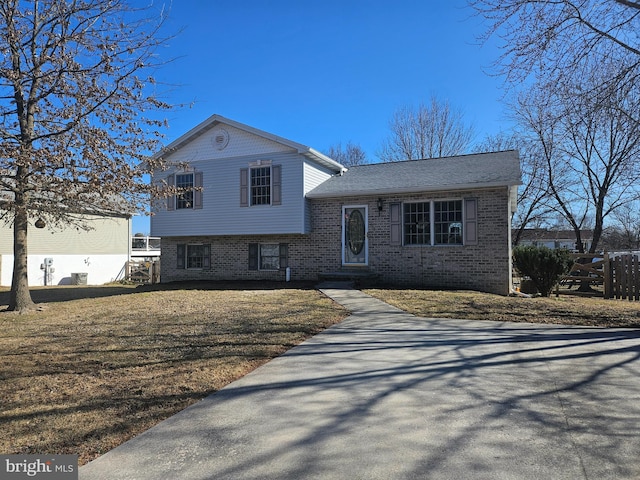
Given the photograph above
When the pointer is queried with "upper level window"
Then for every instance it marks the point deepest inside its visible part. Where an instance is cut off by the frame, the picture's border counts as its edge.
(445, 223)
(184, 184)
(261, 186)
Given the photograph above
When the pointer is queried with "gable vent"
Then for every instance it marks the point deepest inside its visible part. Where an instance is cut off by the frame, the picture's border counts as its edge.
(220, 139)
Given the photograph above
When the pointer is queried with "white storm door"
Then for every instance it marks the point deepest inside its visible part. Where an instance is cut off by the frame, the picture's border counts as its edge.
(355, 241)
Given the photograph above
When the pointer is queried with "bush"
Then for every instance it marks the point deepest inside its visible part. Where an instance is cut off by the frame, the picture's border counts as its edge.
(543, 265)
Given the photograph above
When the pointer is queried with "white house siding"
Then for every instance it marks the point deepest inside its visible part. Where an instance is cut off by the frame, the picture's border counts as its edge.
(222, 214)
(240, 144)
(101, 252)
(100, 269)
(313, 176)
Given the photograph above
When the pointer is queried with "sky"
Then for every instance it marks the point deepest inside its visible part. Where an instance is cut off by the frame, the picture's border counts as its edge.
(320, 72)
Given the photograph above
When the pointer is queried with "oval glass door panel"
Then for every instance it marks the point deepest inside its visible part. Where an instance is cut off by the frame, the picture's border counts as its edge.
(356, 232)
(355, 236)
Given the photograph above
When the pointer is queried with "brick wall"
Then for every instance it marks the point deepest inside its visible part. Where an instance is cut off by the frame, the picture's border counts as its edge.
(484, 267)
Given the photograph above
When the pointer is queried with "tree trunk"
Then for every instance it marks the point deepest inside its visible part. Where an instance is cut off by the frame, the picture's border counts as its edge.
(20, 298)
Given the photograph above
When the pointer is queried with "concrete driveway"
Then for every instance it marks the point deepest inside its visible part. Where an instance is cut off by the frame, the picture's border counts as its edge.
(386, 395)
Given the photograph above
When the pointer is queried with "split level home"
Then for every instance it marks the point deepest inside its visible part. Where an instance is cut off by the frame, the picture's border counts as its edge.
(258, 206)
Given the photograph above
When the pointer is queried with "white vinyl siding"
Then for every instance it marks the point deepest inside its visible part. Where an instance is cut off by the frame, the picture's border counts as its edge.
(223, 213)
(313, 175)
(106, 235)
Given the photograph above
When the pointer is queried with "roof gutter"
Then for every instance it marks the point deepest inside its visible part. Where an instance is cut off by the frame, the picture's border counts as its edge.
(384, 191)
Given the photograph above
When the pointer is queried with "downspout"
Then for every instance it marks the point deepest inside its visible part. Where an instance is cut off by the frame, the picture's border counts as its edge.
(512, 207)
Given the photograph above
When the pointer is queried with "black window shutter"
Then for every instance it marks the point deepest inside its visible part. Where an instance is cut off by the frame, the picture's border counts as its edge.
(244, 187)
(276, 184)
(395, 218)
(206, 261)
(284, 255)
(197, 194)
(181, 252)
(253, 256)
(470, 227)
(171, 200)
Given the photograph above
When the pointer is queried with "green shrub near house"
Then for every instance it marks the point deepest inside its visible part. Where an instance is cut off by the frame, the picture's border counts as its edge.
(543, 265)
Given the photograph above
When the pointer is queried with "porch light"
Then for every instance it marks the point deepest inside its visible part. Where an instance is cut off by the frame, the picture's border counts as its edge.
(40, 223)
(379, 206)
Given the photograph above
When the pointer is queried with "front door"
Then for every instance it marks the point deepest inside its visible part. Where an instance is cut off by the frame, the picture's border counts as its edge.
(355, 243)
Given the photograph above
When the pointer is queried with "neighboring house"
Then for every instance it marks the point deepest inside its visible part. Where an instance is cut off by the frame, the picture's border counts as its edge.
(64, 256)
(264, 207)
(556, 238)
(145, 248)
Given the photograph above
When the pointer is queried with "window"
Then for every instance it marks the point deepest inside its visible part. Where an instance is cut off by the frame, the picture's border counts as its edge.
(448, 222)
(184, 181)
(261, 186)
(190, 189)
(445, 223)
(268, 256)
(195, 256)
(417, 224)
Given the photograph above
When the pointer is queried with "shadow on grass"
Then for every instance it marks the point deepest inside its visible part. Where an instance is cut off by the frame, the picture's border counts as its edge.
(68, 293)
(535, 399)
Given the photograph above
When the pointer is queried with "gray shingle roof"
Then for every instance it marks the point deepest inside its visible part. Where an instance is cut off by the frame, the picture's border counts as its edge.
(481, 170)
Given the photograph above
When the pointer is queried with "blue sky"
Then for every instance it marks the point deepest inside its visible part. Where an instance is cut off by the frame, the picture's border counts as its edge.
(323, 72)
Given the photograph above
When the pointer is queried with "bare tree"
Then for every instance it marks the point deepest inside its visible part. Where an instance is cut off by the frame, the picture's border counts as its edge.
(533, 195)
(430, 130)
(349, 155)
(590, 145)
(557, 37)
(624, 232)
(74, 135)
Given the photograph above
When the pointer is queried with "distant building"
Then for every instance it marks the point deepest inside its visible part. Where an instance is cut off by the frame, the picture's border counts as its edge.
(555, 238)
(67, 255)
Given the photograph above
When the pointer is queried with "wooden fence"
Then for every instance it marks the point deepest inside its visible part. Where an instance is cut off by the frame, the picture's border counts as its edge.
(617, 274)
(143, 271)
(622, 277)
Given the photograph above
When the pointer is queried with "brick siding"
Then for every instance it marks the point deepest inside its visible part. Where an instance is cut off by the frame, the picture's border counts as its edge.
(483, 267)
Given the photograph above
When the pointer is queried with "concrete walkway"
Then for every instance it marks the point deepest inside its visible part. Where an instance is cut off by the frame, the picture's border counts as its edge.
(386, 395)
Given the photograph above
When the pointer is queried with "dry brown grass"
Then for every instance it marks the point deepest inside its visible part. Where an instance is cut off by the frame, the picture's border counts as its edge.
(566, 309)
(99, 365)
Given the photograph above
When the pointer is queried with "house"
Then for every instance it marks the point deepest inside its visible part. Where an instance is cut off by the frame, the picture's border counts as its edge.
(258, 206)
(67, 255)
(556, 238)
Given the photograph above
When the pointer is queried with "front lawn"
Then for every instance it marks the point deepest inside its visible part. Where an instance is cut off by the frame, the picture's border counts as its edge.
(99, 365)
(565, 309)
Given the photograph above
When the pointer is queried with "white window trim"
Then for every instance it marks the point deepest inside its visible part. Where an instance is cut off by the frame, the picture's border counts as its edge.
(253, 167)
(432, 223)
(260, 257)
(193, 184)
(186, 256)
